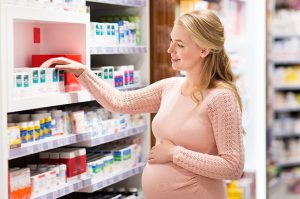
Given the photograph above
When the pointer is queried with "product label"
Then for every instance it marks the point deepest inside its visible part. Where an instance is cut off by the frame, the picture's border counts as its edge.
(105, 73)
(47, 131)
(42, 129)
(26, 81)
(19, 81)
(117, 156)
(113, 30)
(55, 75)
(61, 76)
(43, 76)
(131, 77)
(36, 133)
(127, 154)
(100, 75)
(30, 134)
(23, 132)
(126, 77)
(97, 32)
(111, 73)
(35, 77)
(108, 30)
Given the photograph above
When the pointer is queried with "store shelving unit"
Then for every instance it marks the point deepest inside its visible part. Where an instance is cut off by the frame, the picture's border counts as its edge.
(289, 164)
(90, 141)
(133, 3)
(64, 190)
(90, 185)
(287, 87)
(55, 99)
(100, 183)
(118, 50)
(82, 139)
(16, 25)
(283, 41)
(287, 136)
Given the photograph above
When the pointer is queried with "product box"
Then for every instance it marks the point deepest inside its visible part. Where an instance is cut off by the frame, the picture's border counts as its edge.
(75, 159)
(71, 84)
(44, 157)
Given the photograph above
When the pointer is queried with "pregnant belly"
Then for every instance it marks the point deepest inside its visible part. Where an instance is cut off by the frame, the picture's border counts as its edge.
(166, 181)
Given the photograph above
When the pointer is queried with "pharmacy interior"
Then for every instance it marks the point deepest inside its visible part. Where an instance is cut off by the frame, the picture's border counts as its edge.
(58, 142)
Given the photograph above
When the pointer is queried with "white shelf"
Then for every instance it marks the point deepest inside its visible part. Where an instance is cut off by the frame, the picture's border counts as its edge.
(287, 109)
(104, 182)
(88, 184)
(287, 136)
(47, 15)
(55, 142)
(64, 190)
(289, 164)
(56, 99)
(51, 99)
(282, 58)
(94, 141)
(283, 35)
(133, 3)
(43, 145)
(118, 50)
(287, 87)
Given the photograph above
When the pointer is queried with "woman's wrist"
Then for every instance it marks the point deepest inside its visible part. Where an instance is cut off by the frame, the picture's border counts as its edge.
(172, 150)
(80, 71)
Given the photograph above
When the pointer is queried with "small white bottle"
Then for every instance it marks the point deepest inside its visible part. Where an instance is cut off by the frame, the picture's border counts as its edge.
(62, 173)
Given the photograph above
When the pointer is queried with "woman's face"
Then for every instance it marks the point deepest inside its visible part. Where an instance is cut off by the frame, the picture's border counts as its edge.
(185, 53)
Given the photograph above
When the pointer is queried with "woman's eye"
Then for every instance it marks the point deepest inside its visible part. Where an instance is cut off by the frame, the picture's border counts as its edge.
(180, 46)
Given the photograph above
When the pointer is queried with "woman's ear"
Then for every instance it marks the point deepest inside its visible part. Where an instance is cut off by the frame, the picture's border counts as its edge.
(204, 52)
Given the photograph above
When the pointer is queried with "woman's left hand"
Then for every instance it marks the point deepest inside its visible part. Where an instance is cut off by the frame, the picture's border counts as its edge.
(162, 153)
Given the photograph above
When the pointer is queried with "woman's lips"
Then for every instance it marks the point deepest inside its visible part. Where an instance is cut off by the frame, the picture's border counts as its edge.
(174, 60)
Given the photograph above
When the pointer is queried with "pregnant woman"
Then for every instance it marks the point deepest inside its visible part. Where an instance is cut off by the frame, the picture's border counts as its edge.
(198, 130)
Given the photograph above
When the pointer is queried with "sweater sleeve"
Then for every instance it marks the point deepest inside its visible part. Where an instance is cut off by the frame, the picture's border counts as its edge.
(225, 117)
(131, 102)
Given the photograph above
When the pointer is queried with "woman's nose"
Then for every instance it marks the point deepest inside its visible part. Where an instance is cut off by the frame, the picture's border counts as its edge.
(170, 49)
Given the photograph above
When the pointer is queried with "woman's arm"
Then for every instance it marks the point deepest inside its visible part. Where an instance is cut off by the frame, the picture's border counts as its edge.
(131, 102)
(138, 101)
(225, 116)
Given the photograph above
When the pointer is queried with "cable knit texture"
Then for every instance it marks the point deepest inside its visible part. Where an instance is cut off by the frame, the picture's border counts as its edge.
(208, 137)
(131, 102)
(225, 117)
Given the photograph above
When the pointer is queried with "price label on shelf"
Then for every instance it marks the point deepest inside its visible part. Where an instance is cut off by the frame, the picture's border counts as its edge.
(46, 145)
(56, 143)
(30, 150)
(116, 178)
(79, 186)
(50, 145)
(62, 192)
(40, 147)
(75, 186)
(25, 150)
(100, 185)
(67, 190)
(35, 147)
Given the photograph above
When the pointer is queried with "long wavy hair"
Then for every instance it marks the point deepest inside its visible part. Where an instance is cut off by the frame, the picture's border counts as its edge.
(207, 31)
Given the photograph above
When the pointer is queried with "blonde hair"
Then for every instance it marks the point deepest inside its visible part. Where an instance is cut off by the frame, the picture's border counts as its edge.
(207, 31)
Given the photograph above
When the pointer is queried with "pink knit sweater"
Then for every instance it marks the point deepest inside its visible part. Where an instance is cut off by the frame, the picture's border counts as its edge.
(209, 137)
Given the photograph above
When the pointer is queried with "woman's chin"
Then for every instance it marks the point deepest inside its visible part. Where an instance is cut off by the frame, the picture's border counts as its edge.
(175, 67)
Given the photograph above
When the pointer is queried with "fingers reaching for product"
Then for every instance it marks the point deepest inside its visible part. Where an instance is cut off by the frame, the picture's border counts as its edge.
(54, 61)
(65, 64)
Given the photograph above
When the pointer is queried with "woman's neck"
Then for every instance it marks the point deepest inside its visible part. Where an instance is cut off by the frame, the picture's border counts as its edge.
(189, 85)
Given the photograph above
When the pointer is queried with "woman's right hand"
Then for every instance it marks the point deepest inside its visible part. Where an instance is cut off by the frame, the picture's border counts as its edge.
(68, 65)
